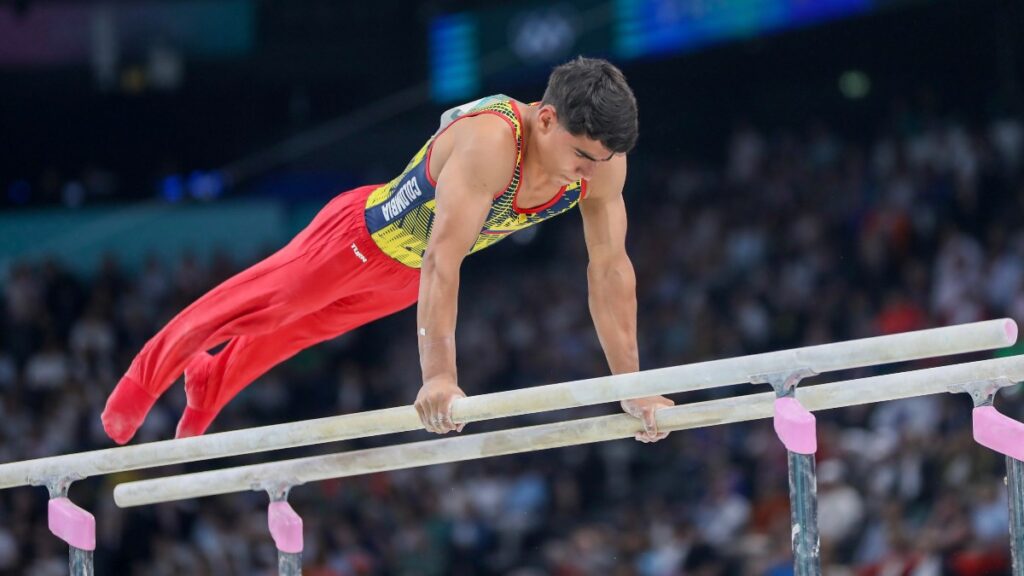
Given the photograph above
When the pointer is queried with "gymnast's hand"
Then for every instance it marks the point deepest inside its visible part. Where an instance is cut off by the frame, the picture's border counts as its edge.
(644, 409)
(434, 405)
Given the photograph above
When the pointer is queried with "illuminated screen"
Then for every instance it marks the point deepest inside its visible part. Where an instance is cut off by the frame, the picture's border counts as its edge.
(528, 37)
(505, 45)
(454, 65)
(645, 27)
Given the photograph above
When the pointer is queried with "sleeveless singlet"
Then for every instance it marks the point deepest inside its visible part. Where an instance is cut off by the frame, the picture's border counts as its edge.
(400, 214)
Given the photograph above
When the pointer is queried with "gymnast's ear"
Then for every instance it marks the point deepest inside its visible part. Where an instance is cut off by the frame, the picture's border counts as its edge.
(547, 118)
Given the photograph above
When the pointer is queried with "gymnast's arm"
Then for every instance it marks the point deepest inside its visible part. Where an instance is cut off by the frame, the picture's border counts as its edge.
(480, 162)
(612, 285)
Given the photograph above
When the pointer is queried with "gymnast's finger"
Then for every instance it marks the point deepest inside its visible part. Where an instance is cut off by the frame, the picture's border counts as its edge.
(650, 421)
(424, 419)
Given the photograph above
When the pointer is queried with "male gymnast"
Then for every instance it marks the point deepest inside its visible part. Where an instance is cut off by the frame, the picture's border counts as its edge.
(494, 166)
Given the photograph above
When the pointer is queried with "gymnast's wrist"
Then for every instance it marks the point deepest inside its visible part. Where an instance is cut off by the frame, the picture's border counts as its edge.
(440, 381)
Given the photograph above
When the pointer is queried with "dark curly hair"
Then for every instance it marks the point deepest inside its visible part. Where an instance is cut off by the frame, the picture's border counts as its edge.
(592, 99)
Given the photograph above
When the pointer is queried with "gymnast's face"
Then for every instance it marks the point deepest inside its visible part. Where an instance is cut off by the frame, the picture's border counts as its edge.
(564, 156)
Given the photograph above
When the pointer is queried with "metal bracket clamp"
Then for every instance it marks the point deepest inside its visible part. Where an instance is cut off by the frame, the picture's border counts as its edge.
(67, 521)
(983, 392)
(794, 425)
(278, 491)
(56, 484)
(784, 383)
(991, 428)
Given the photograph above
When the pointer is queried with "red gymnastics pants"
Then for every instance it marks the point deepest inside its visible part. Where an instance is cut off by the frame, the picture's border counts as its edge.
(329, 279)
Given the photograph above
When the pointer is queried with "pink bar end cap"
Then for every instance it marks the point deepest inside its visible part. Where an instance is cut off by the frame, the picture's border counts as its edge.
(795, 426)
(285, 527)
(72, 524)
(999, 432)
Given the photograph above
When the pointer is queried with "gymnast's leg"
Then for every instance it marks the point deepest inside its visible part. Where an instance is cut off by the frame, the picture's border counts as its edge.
(316, 268)
(212, 381)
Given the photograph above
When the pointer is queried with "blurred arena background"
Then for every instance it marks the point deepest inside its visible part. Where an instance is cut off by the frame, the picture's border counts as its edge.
(808, 171)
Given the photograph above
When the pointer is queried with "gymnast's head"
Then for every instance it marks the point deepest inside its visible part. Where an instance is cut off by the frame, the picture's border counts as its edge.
(587, 116)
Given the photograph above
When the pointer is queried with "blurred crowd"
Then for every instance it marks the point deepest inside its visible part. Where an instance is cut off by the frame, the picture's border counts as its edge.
(797, 238)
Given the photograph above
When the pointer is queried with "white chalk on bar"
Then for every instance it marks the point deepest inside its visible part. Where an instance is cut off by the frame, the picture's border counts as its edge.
(821, 358)
(456, 449)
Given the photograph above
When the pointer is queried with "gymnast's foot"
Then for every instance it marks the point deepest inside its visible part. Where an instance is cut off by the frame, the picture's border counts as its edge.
(194, 421)
(126, 409)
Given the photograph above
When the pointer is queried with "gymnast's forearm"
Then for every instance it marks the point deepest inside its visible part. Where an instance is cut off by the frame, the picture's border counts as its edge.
(612, 300)
(435, 320)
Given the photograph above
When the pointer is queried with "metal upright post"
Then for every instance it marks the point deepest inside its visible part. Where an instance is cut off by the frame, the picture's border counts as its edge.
(796, 428)
(1015, 486)
(1006, 436)
(286, 528)
(72, 525)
